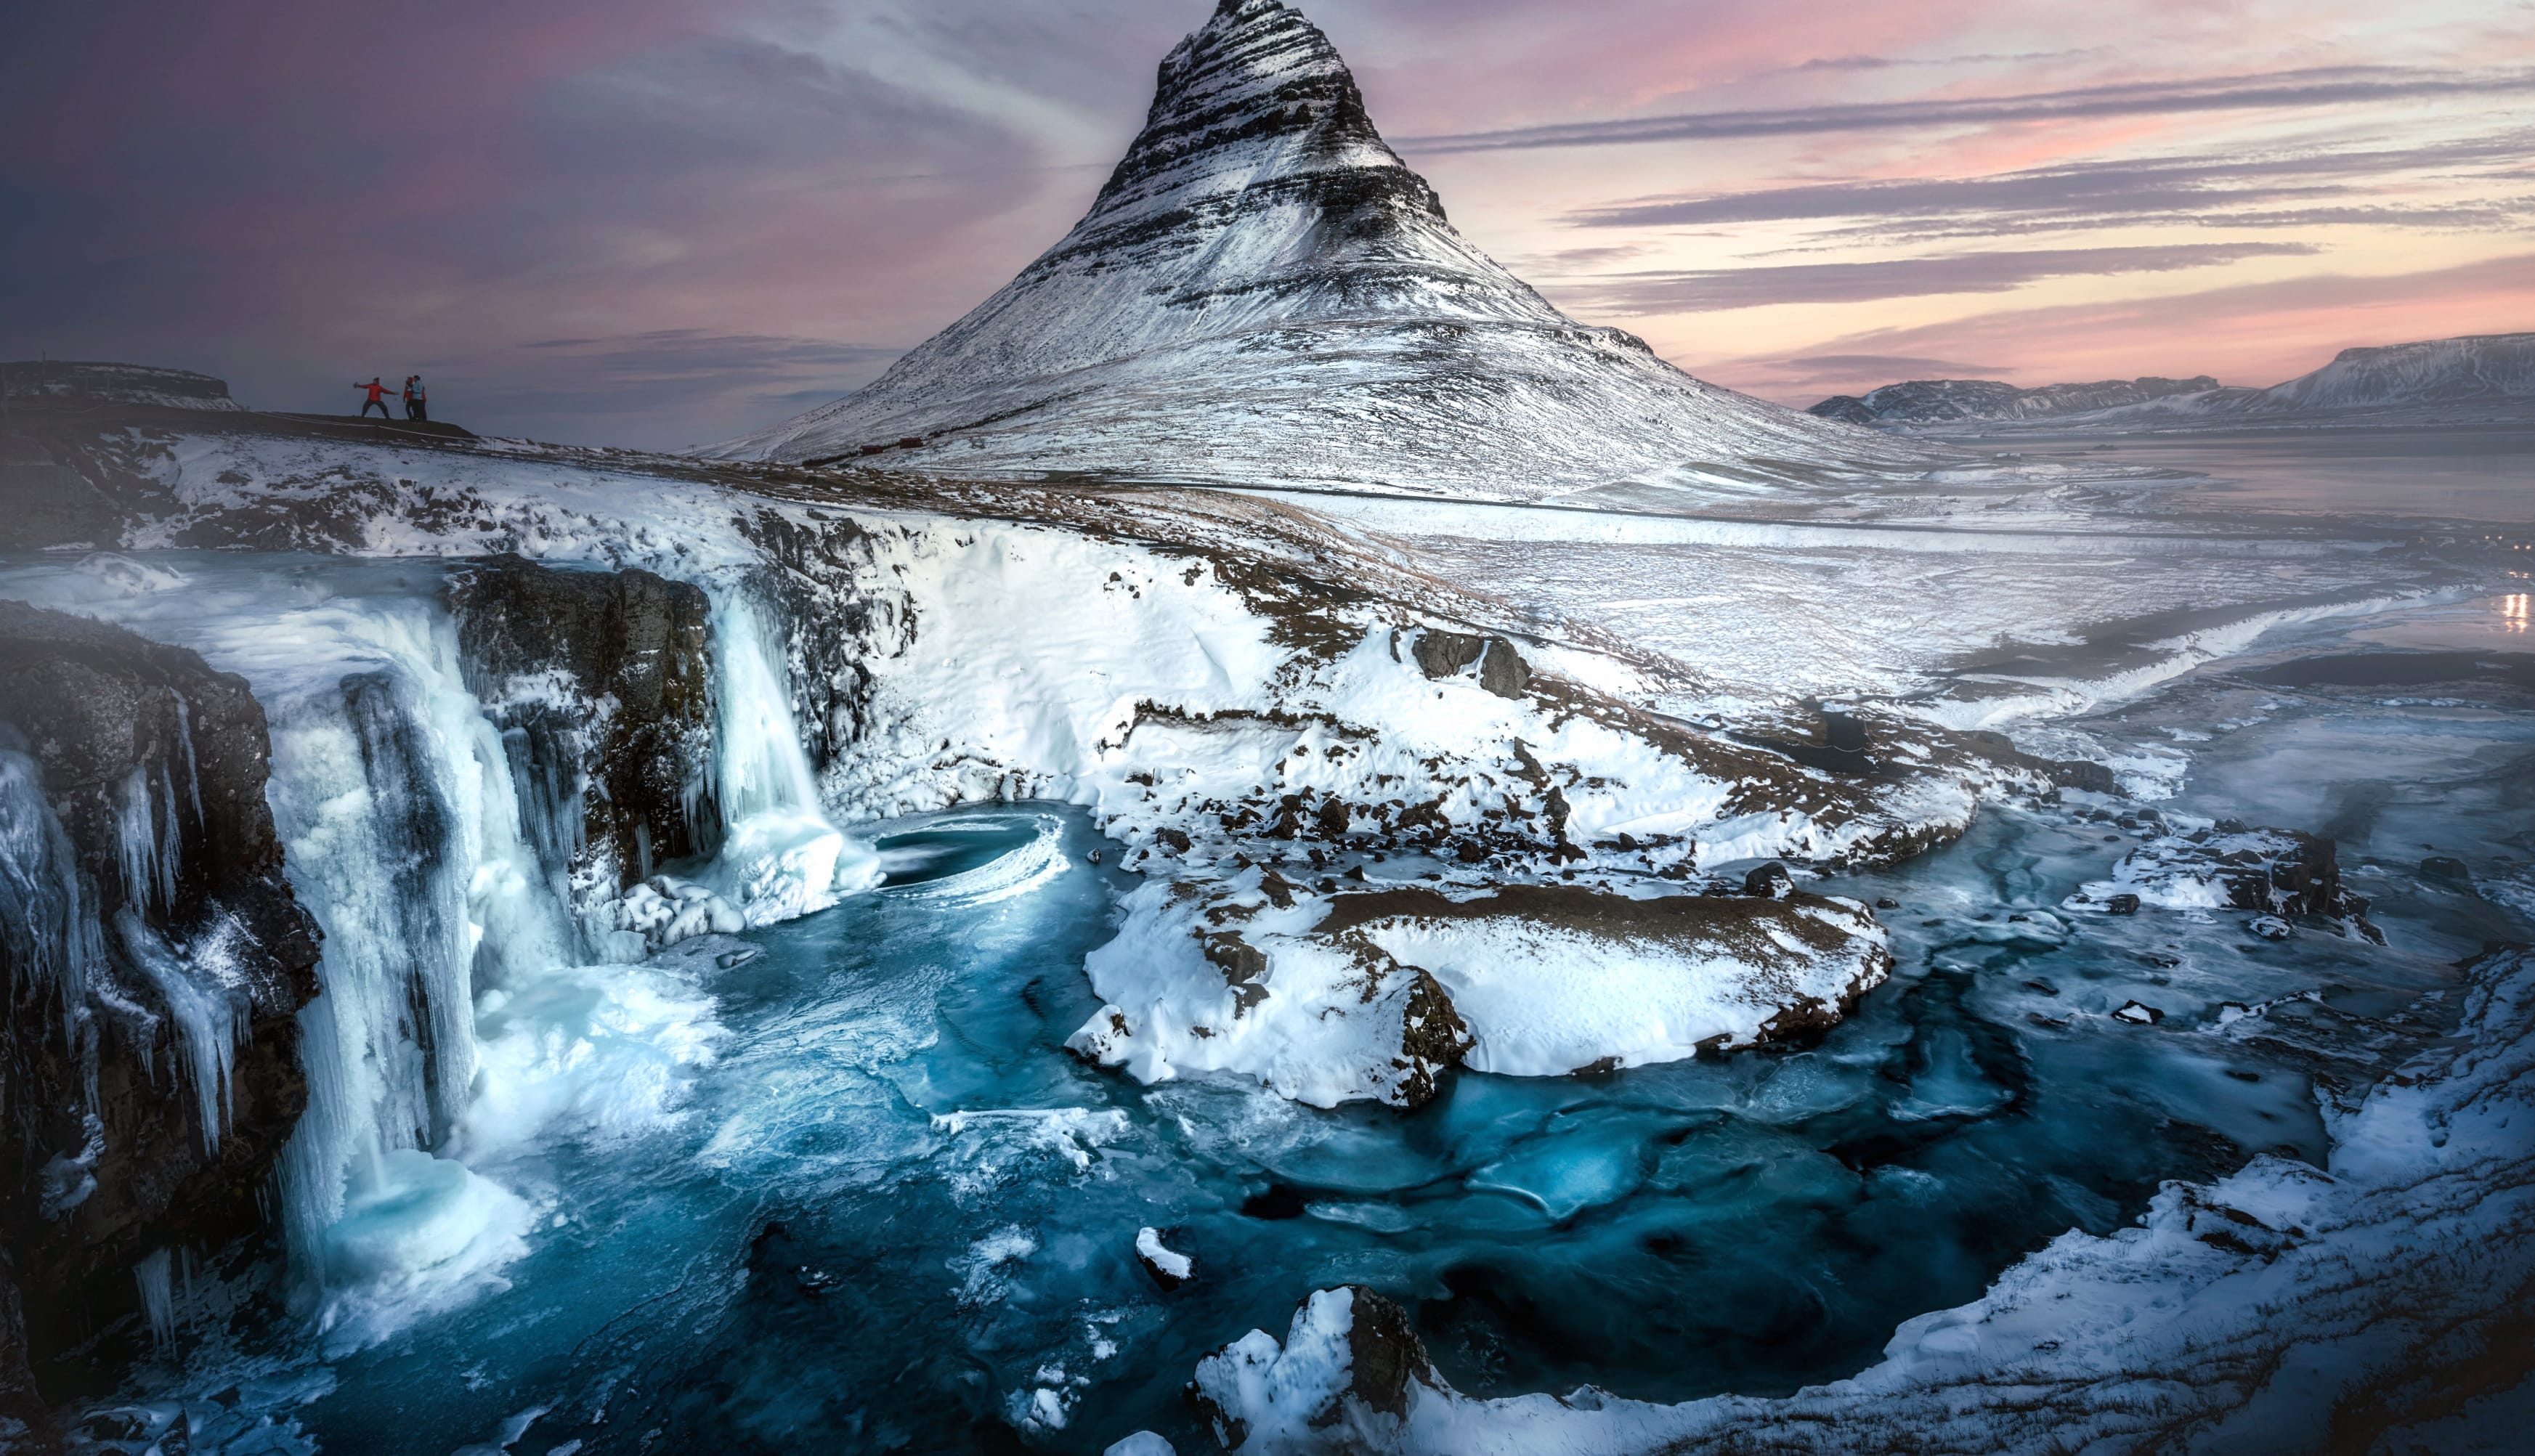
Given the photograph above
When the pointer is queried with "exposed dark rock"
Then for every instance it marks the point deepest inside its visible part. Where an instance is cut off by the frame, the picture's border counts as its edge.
(602, 682)
(2122, 904)
(1771, 881)
(134, 837)
(1448, 654)
(2448, 871)
(1386, 1352)
(1432, 1037)
(833, 622)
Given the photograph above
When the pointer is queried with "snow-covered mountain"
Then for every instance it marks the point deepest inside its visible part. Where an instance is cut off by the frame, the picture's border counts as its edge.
(2488, 377)
(1923, 401)
(2475, 369)
(1264, 291)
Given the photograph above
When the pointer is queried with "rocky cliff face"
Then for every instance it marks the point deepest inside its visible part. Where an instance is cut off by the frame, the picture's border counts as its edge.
(156, 965)
(602, 682)
(1264, 290)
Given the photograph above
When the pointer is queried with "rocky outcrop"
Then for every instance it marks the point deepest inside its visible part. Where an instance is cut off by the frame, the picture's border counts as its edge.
(155, 965)
(602, 682)
(1343, 1380)
(1448, 654)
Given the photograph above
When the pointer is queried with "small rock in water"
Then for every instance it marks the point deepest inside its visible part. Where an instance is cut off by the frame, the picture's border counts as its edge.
(1770, 879)
(740, 957)
(1886, 902)
(1093, 856)
(2442, 868)
(2040, 985)
(2139, 1012)
(1170, 1270)
(2241, 1075)
(2123, 904)
(2269, 927)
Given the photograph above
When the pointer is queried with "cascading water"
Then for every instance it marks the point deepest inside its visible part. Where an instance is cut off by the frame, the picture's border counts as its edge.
(444, 908)
(780, 857)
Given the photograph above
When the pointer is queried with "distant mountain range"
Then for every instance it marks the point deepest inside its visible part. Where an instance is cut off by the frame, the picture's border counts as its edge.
(2479, 378)
(1264, 292)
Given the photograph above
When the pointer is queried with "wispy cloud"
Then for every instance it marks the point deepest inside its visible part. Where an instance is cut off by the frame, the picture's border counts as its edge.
(2192, 187)
(2329, 87)
(1706, 290)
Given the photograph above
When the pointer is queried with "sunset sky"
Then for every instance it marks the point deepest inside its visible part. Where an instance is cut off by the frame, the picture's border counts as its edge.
(662, 222)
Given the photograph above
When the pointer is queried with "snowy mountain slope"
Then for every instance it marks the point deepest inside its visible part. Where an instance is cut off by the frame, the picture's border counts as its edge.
(2441, 371)
(1264, 291)
(2488, 377)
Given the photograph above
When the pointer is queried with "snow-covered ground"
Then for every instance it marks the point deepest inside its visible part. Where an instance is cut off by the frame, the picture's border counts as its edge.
(1397, 797)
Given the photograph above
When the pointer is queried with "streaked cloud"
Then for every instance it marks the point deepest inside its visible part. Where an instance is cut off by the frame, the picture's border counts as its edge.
(2333, 86)
(2090, 192)
(1705, 290)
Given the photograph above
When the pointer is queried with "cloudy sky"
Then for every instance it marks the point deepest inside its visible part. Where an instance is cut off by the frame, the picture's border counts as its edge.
(665, 221)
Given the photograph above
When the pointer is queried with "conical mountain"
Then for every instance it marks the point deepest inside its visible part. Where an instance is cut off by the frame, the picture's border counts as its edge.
(1265, 292)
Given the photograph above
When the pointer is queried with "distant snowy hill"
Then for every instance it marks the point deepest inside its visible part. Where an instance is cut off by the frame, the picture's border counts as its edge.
(1945, 401)
(69, 382)
(1264, 291)
(2489, 377)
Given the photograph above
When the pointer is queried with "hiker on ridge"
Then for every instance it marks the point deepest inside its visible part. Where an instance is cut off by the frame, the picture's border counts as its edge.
(416, 398)
(377, 397)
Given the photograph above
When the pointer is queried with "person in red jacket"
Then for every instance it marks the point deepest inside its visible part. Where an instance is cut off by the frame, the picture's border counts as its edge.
(378, 399)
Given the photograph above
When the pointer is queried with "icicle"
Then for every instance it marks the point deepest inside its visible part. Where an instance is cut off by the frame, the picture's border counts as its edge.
(205, 1021)
(46, 925)
(158, 1296)
(193, 766)
(145, 852)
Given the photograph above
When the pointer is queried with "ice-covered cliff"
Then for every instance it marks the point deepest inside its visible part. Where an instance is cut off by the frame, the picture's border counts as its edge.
(1264, 291)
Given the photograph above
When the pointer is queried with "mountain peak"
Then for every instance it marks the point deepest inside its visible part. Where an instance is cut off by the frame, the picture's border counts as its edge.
(1255, 99)
(1264, 290)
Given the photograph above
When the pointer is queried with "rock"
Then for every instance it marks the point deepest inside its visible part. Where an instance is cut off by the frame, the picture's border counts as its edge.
(1142, 1443)
(104, 1151)
(1447, 654)
(1886, 902)
(2139, 1012)
(2122, 904)
(1342, 1381)
(1770, 880)
(1175, 840)
(1170, 1269)
(2445, 869)
(2269, 928)
(611, 791)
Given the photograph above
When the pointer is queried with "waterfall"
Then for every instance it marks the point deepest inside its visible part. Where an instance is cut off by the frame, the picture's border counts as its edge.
(445, 899)
(780, 857)
(394, 798)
